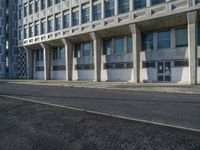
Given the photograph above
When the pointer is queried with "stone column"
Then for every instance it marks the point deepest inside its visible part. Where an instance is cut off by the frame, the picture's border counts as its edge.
(192, 46)
(136, 38)
(116, 6)
(102, 9)
(29, 62)
(68, 58)
(148, 3)
(47, 61)
(97, 56)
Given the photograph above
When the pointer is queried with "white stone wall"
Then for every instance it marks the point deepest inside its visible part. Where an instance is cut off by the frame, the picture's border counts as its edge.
(117, 75)
(198, 74)
(39, 75)
(58, 75)
(148, 75)
(83, 75)
(180, 75)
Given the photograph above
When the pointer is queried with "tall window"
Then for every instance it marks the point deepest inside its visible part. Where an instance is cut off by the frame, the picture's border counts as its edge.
(66, 21)
(25, 32)
(20, 12)
(123, 6)
(181, 37)
(109, 8)
(43, 27)
(87, 49)
(58, 53)
(198, 35)
(43, 4)
(155, 2)
(107, 47)
(97, 12)
(50, 25)
(85, 15)
(36, 5)
(119, 45)
(30, 8)
(39, 55)
(20, 33)
(31, 30)
(37, 29)
(57, 1)
(75, 16)
(77, 50)
(139, 4)
(164, 39)
(57, 23)
(49, 3)
(25, 10)
(147, 42)
(129, 45)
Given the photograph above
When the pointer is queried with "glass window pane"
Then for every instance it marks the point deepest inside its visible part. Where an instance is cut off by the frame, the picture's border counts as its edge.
(97, 12)
(181, 37)
(138, 4)
(77, 52)
(87, 49)
(147, 42)
(107, 47)
(75, 17)
(123, 6)
(164, 39)
(130, 45)
(109, 8)
(85, 15)
(119, 46)
(155, 2)
(198, 34)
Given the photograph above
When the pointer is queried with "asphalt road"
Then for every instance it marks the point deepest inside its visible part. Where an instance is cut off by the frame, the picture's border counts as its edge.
(31, 126)
(174, 109)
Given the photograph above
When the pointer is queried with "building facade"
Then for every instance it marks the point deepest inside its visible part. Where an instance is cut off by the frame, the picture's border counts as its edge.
(8, 39)
(111, 40)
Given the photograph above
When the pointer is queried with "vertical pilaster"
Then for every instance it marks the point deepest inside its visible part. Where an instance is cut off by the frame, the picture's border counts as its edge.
(91, 10)
(68, 58)
(29, 63)
(136, 38)
(131, 5)
(97, 55)
(47, 61)
(148, 3)
(102, 9)
(116, 6)
(192, 46)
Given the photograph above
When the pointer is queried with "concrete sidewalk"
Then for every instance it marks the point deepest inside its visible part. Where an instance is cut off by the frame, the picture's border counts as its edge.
(157, 87)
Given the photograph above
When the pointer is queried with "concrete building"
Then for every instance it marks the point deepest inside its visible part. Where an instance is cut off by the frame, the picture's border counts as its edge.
(111, 40)
(8, 39)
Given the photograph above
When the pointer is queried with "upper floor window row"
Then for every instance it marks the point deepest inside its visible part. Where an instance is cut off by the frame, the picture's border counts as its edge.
(111, 7)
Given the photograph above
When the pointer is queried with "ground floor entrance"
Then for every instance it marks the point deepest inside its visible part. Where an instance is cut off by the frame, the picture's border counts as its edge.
(164, 71)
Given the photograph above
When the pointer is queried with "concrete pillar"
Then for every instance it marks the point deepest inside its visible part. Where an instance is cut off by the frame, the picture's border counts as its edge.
(148, 3)
(102, 9)
(68, 58)
(192, 46)
(47, 61)
(136, 38)
(131, 5)
(116, 6)
(29, 62)
(97, 55)
(91, 10)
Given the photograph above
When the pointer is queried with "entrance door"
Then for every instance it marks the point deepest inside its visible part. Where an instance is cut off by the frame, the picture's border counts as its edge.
(164, 71)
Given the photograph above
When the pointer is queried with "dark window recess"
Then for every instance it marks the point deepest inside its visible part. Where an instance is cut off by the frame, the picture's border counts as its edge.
(121, 65)
(39, 68)
(181, 63)
(147, 64)
(84, 67)
(198, 62)
(58, 68)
